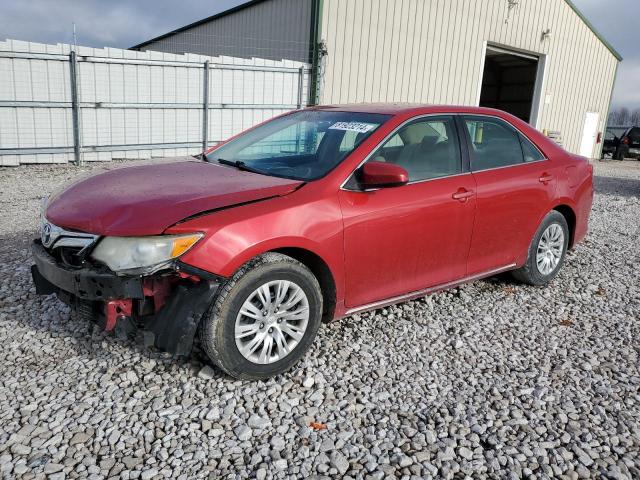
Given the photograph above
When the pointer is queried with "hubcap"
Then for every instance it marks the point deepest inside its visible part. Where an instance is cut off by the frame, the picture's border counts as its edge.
(272, 321)
(550, 248)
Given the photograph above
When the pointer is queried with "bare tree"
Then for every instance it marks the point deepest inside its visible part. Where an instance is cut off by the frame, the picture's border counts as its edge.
(623, 116)
(617, 117)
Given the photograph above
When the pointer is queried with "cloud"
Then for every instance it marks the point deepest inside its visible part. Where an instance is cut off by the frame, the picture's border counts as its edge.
(626, 92)
(123, 23)
(621, 30)
(99, 23)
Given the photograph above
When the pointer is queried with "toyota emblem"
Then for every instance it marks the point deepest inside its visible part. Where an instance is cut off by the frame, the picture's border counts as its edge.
(45, 236)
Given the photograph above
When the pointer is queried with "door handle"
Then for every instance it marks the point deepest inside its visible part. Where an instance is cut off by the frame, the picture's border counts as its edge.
(462, 195)
(545, 178)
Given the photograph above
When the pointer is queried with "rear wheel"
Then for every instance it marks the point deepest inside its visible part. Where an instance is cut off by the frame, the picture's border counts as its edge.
(547, 251)
(265, 318)
(620, 154)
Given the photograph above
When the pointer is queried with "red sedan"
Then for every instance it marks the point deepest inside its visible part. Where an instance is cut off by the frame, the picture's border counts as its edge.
(314, 215)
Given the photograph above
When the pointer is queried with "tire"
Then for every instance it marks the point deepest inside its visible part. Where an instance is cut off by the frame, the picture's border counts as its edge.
(532, 272)
(619, 155)
(218, 328)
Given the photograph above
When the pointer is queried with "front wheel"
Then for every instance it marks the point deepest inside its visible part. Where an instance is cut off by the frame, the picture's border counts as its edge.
(265, 318)
(547, 251)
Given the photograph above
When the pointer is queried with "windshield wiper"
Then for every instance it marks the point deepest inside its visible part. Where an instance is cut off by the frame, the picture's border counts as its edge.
(240, 165)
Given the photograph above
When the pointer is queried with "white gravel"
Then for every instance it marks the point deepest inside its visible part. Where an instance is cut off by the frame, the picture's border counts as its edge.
(493, 379)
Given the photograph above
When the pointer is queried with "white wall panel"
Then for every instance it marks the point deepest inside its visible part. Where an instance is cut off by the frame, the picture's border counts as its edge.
(131, 99)
(432, 51)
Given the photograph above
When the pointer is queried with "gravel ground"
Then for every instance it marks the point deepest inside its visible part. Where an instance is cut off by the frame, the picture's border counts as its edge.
(493, 379)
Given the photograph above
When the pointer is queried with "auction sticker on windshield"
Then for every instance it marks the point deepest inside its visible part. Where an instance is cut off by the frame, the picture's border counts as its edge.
(352, 126)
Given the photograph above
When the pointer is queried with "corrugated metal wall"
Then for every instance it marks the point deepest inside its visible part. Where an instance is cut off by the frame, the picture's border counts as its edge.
(133, 104)
(277, 29)
(433, 50)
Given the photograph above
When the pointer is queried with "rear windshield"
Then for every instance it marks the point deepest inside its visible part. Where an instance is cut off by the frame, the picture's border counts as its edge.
(613, 133)
(304, 145)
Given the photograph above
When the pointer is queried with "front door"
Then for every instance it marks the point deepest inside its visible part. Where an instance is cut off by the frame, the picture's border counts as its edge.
(633, 141)
(404, 239)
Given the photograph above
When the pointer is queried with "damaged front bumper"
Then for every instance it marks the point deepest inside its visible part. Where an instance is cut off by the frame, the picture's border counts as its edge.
(166, 307)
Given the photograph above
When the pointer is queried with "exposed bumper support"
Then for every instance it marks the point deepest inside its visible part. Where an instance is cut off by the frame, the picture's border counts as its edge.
(86, 284)
(173, 325)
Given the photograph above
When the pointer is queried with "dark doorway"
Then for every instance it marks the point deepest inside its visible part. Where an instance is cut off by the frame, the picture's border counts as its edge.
(509, 82)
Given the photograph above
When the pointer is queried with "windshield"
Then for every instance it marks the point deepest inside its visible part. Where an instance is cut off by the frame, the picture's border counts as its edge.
(304, 145)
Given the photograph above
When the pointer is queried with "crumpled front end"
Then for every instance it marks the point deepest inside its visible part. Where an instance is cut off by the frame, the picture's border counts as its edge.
(165, 305)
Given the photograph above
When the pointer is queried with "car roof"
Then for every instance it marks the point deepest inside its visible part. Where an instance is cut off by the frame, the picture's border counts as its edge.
(407, 108)
(406, 111)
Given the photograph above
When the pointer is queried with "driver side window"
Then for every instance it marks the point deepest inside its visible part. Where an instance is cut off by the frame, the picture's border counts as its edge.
(426, 149)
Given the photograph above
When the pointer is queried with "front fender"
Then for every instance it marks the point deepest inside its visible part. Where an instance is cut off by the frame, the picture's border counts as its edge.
(233, 237)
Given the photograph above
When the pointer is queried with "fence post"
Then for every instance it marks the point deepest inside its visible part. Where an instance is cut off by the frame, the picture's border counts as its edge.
(300, 86)
(75, 107)
(205, 106)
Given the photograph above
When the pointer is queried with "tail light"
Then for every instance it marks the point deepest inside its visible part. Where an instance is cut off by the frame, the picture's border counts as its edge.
(625, 140)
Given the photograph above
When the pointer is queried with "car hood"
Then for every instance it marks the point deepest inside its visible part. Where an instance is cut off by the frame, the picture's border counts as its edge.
(146, 200)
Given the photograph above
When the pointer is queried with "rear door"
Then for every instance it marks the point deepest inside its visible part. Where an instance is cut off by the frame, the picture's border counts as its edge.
(610, 142)
(634, 141)
(514, 185)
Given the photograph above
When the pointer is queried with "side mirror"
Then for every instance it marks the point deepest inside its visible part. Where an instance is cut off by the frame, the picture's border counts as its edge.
(381, 174)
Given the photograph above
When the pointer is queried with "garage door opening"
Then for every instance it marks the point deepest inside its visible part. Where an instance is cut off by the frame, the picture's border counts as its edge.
(511, 81)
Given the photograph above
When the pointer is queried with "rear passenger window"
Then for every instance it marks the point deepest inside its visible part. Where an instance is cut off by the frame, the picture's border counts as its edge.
(494, 144)
(426, 149)
(530, 151)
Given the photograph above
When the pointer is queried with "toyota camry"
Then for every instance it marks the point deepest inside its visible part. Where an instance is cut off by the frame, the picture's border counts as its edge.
(314, 215)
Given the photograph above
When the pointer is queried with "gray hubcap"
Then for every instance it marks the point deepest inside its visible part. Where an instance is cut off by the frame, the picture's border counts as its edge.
(550, 249)
(272, 321)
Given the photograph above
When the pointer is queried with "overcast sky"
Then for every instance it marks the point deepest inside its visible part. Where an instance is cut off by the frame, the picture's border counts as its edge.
(123, 23)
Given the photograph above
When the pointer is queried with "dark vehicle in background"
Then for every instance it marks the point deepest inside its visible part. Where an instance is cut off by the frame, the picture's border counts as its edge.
(622, 142)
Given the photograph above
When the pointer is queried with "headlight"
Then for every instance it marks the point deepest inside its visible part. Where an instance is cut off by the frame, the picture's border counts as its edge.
(142, 254)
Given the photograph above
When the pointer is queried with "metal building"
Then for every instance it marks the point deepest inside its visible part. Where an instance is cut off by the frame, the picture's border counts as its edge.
(539, 59)
(271, 29)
